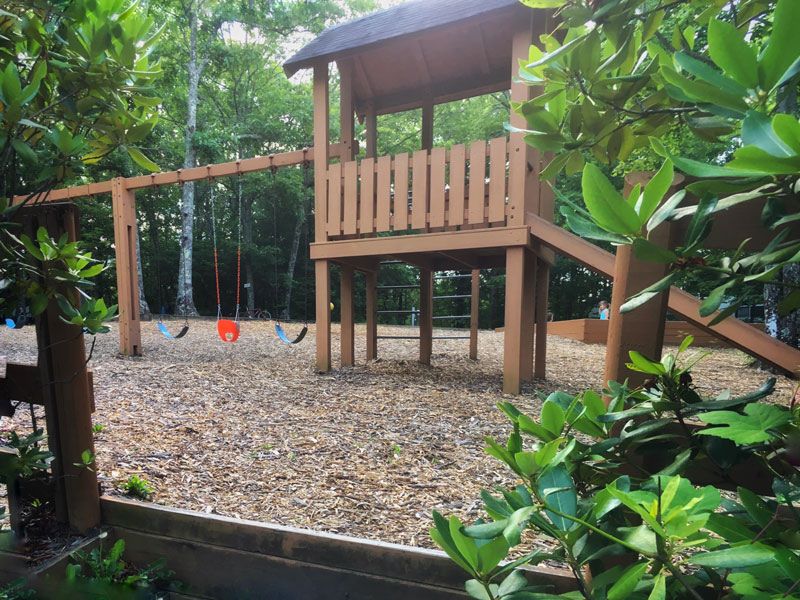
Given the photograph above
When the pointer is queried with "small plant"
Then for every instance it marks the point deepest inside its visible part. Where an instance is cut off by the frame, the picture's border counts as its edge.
(138, 487)
(17, 590)
(395, 451)
(98, 572)
(87, 461)
(28, 461)
(610, 485)
(98, 428)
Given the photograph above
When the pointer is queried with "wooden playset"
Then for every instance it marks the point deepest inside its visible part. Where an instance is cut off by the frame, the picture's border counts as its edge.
(466, 207)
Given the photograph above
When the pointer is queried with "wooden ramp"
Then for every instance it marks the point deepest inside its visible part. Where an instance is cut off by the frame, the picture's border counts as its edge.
(737, 333)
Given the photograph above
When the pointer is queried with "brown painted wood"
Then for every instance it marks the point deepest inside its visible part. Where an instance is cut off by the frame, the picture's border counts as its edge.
(472, 239)
(366, 200)
(425, 316)
(419, 190)
(512, 335)
(400, 208)
(438, 164)
(371, 285)
(323, 315)
(497, 181)
(541, 301)
(335, 200)
(347, 336)
(474, 313)
(350, 172)
(477, 181)
(528, 317)
(427, 125)
(383, 216)
(346, 111)
(62, 364)
(458, 158)
(371, 127)
(124, 215)
(321, 141)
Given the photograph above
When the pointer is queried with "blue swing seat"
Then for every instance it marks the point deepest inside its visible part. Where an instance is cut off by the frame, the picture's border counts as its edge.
(285, 339)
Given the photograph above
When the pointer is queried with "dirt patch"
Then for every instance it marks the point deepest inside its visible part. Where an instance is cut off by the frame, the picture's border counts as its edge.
(250, 430)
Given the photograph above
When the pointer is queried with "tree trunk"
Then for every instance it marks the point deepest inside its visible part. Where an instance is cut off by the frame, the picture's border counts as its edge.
(298, 232)
(144, 308)
(184, 303)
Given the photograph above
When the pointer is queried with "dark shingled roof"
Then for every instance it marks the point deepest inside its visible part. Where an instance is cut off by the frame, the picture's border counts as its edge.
(397, 21)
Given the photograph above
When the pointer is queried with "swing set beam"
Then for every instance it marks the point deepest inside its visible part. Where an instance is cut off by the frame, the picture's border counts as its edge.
(123, 195)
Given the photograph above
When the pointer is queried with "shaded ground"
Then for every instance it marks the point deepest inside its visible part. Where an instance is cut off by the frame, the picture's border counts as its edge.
(250, 430)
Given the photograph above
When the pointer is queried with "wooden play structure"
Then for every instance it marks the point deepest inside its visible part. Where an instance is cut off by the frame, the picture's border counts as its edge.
(469, 206)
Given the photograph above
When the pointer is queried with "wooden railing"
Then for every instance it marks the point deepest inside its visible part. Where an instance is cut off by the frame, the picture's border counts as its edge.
(429, 190)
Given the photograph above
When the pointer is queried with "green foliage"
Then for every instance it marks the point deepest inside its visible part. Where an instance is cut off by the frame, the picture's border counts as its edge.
(27, 460)
(17, 590)
(610, 486)
(138, 487)
(623, 76)
(102, 574)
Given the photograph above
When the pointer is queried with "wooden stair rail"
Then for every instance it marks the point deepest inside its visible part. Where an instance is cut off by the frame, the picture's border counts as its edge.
(735, 332)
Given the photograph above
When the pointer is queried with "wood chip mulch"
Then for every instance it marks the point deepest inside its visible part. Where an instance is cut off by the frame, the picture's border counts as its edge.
(250, 430)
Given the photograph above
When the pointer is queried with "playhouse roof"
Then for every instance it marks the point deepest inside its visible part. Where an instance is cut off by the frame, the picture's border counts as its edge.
(440, 49)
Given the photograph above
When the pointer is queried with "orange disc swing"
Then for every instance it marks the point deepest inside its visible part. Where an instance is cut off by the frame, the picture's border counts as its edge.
(227, 329)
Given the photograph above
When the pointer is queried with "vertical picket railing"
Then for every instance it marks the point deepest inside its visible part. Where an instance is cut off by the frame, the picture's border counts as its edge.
(426, 191)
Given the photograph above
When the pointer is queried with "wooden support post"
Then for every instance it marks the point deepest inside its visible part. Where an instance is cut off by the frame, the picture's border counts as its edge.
(541, 309)
(642, 329)
(474, 313)
(321, 141)
(371, 283)
(427, 125)
(528, 317)
(371, 127)
(323, 316)
(124, 215)
(425, 316)
(347, 336)
(512, 333)
(62, 365)
(346, 111)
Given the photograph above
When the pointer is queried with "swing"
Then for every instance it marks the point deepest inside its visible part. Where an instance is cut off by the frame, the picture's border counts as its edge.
(12, 324)
(167, 334)
(285, 339)
(227, 329)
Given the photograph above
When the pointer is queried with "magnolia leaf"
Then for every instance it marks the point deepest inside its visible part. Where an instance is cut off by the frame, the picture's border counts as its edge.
(753, 427)
(732, 53)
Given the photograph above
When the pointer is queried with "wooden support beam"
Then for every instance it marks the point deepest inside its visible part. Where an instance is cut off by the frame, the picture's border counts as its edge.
(528, 317)
(427, 125)
(346, 111)
(512, 334)
(641, 329)
(321, 141)
(371, 127)
(371, 284)
(124, 215)
(474, 313)
(541, 307)
(62, 364)
(323, 314)
(347, 336)
(425, 316)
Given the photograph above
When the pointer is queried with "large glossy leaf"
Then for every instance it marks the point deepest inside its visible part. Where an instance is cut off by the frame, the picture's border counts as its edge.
(783, 47)
(750, 428)
(757, 131)
(606, 204)
(731, 53)
(558, 491)
(624, 586)
(737, 557)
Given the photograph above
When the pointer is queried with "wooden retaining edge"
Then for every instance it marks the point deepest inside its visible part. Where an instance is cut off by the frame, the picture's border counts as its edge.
(735, 332)
(187, 539)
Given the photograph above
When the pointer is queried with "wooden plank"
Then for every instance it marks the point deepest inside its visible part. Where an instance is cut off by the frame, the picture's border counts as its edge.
(321, 141)
(347, 335)
(472, 239)
(425, 316)
(497, 180)
(419, 190)
(458, 157)
(474, 313)
(349, 227)
(477, 181)
(400, 192)
(124, 216)
(371, 284)
(512, 335)
(438, 164)
(528, 318)
(346, 114)
(366, 200)
(541, 301)
(371, 127)
(335, 200)
(323, 315)
(384, 194)
(427, 125)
